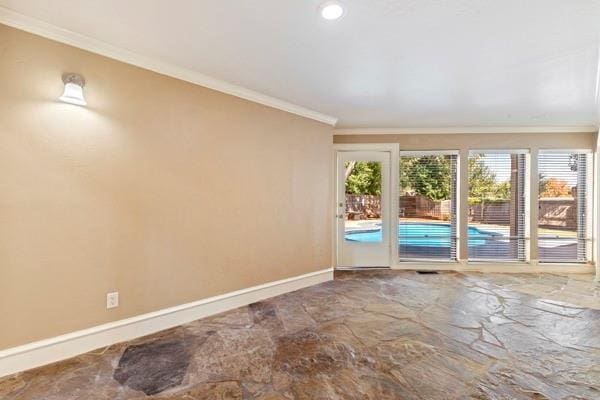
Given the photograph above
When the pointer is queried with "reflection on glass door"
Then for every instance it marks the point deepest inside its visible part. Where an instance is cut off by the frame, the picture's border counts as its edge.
(363, 208)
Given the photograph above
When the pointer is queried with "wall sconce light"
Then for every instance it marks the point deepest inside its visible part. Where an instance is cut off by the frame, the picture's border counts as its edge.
(73, 93)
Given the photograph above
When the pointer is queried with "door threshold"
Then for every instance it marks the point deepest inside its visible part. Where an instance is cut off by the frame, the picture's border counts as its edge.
(359, 268)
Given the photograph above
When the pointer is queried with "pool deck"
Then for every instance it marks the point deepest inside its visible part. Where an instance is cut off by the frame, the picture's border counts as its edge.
(565, 249)
(373, 223)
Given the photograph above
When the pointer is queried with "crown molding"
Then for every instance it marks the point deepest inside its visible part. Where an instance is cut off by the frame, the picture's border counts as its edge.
(466, 129)
(40, 28)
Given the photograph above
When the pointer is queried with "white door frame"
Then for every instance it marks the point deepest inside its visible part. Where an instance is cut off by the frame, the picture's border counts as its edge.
(393, 149)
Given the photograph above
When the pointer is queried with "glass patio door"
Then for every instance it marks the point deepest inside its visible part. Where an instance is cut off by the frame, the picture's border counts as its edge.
(363, 208)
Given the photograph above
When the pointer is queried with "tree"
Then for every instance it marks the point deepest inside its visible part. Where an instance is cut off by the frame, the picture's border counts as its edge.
(428, 176)
(556, 188)
(542, 183)
(502, 191)
(573, 162)
(349, 168)
(482, 182)
(364, 178)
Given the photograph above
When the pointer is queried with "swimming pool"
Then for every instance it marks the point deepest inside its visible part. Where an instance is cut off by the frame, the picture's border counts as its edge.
(421, 235)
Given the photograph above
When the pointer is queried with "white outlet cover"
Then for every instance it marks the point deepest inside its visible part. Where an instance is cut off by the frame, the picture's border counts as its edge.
(112, 300)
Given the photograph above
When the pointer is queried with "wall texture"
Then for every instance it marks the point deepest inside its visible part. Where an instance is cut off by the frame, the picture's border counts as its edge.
(160, 189)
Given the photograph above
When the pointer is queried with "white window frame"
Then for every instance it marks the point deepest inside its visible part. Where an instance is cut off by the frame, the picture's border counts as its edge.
(527, 209)
(400, 262)
(529, 266)
(590, 205)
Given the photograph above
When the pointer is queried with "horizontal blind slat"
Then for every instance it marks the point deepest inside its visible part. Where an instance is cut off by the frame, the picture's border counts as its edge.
(562, 202)
(497, 204)
(427, 206)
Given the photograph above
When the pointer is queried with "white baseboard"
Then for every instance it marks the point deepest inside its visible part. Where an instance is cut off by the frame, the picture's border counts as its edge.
(58, 348)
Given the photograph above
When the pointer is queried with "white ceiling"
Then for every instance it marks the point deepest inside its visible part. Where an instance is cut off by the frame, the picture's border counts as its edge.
(386, 63)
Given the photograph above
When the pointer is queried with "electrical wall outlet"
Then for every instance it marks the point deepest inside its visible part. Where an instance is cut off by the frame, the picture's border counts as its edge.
(112, 300)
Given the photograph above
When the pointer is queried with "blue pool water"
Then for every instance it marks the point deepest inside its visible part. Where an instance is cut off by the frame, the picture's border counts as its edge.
(421, 234)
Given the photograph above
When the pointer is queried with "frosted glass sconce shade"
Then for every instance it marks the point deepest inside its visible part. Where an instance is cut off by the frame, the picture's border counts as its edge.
(73, 93)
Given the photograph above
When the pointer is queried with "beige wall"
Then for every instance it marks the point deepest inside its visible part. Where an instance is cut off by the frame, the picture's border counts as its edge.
(160, 189)
(475, 141)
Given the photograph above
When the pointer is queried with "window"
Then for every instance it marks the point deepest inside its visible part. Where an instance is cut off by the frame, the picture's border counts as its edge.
(362, 222)
(563, 234)
(497, 205)
(427, 225)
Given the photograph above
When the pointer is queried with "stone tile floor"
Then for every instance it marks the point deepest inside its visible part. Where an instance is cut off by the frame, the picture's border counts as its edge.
(365, 335)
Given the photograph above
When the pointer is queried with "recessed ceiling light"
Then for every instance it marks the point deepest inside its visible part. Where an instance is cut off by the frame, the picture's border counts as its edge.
(332, 10)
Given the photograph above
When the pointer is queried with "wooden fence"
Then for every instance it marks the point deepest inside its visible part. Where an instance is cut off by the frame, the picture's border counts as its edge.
(363, 206)
(553, 212)
(558, 213)
(422, 207)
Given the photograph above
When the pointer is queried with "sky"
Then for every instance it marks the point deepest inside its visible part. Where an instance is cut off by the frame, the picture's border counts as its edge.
(550, 165)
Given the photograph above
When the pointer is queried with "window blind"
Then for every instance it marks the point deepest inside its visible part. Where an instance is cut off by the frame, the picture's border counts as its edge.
(497, 205)
(427, 225)
(563, 234)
